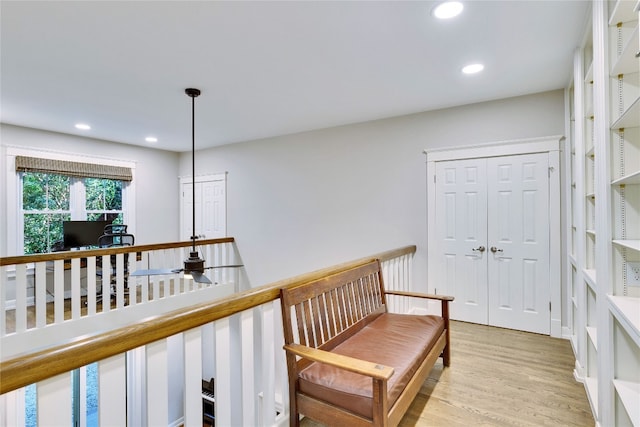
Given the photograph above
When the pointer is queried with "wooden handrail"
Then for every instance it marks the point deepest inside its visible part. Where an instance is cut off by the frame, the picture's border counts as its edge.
(396, 253)
(53, 256)
(31, 368)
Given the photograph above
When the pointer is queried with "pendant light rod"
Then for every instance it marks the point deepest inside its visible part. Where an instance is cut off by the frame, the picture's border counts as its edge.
(193, 93)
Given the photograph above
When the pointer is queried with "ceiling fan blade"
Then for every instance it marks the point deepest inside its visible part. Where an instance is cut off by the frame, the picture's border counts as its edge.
(225, 266)
(199, 277)
(156, 272)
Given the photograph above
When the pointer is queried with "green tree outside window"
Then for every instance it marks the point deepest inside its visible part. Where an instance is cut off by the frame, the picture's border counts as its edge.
(47, 201)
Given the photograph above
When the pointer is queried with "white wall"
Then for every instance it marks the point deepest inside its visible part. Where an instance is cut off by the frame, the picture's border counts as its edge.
(305, 201)
(156, 177)
(301, 202)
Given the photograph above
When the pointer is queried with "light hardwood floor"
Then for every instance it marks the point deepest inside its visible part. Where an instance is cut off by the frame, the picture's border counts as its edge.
(500, 377)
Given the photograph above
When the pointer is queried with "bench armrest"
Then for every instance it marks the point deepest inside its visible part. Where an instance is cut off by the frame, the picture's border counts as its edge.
(420, 295)
(351, 364)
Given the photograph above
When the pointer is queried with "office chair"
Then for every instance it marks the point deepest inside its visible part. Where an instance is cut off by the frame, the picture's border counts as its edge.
(111, 241)
(115, 229)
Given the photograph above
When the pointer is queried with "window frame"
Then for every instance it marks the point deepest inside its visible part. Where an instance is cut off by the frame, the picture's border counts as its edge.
(15, 219)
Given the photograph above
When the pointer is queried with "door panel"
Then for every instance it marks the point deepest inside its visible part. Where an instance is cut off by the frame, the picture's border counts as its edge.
(500, 203)
(213, 209)
(210, 209)
(518, 229)
(461, 214)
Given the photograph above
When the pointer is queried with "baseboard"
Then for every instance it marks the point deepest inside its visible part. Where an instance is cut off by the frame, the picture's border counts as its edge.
(578, 372)
(282, 420)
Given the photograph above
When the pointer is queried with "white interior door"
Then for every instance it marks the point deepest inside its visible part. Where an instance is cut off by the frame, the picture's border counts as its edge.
(213, 209)
(518, 240)
(461, 224)
(492, 240)
(210, 207)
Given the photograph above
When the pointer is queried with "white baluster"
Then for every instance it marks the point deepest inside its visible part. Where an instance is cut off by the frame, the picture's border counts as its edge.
(106, 283)
(268, 407)
(92, 290)
(58, 291)
(120, 289)
(112, 392)
(223, 372)
(12, 410)
(75, 288)
(53, 394)
(40, 293)
(281, 377)
(248, 368)
(136, 384)
(21, 298)
(157, 384)
(193, 377)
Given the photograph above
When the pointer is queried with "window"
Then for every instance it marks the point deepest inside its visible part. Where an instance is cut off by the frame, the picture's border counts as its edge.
(45, 204)
(48, 191)
(49, 199)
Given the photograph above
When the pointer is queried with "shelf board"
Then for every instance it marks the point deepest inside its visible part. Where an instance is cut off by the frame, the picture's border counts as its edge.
(590, 153)
(590, 277)
(627, 62)
(627, 311)
(629, 244)
(592, 332)
(630, 118)
(588, 77)
(623, 11)
(629, 393)
(591, 384)
(633, 178)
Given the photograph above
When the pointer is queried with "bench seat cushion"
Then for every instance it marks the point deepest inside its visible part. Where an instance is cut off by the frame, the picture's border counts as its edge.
(400, 341)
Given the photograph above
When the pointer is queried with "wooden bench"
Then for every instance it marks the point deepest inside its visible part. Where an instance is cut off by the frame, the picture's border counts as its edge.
(350, 361)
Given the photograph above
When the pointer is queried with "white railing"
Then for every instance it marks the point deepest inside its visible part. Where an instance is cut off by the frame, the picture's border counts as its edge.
(49, 298)
(150, 373)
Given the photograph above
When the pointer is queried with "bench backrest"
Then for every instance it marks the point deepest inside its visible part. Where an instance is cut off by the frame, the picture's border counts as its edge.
(325, 312)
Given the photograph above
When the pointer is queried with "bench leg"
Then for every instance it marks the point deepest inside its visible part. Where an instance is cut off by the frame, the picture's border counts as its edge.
(446, 353)
(294, 417)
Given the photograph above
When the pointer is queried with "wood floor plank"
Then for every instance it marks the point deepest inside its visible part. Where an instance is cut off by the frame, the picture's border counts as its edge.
(500, 377)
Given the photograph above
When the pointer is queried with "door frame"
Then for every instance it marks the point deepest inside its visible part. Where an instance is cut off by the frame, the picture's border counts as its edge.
(551, 145)
(201, 178)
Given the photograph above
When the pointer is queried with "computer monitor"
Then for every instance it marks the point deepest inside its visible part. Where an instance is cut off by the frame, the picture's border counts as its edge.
(79, 234)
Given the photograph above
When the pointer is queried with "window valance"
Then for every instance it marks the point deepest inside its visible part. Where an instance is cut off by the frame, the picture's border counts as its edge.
(75, 169)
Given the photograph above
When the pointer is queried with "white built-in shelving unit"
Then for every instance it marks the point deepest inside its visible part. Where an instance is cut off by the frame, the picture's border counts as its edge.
(604, 218)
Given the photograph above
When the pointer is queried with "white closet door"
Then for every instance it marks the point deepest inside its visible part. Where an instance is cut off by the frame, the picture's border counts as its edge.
(461, 227)
(210, 207)
(518, 241)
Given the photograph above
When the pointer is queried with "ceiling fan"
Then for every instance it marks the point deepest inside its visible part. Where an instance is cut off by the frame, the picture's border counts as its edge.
(194, 265)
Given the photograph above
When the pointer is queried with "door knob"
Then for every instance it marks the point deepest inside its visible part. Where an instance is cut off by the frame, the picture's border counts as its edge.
(479, 249)
(494, 249)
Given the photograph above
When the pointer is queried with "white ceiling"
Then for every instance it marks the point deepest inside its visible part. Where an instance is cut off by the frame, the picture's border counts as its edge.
(268, 68)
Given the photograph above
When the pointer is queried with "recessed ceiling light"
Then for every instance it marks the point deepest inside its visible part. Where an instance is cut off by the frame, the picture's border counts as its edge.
(473, 68)
(448, 9)
(82, 126)
(151, 139)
